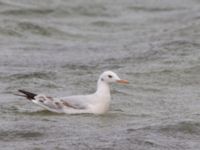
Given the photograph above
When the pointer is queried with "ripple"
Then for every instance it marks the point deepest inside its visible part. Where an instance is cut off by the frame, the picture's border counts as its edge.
(10, 32)
(102, 23)
(182, 127)
(90, 10)
(27, 12)
(182, 45)
(40, 113)
(30, 75)
(34, 28)
(16, 135)
(82, 67)
(150, 9)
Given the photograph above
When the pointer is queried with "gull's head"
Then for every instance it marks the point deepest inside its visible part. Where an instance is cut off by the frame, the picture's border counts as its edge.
(110, 77)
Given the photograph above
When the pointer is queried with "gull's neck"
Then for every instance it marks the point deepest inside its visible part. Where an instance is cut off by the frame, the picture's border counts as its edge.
(102, 97)
(103, 88)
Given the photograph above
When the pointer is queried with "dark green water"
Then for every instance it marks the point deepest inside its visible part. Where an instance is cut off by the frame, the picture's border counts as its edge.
(61, 47)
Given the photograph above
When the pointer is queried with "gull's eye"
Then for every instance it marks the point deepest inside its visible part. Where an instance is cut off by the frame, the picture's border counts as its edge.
(109, 76)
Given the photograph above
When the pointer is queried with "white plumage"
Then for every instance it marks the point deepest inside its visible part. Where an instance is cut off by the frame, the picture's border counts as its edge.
(96, 103)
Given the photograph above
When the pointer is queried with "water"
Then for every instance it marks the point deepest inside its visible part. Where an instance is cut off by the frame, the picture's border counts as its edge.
(61, 47)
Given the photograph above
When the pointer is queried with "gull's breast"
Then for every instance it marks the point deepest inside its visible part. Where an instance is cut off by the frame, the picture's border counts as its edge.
(100, 106)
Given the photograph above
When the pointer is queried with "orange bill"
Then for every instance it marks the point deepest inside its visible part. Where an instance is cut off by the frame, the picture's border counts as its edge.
(123, 81)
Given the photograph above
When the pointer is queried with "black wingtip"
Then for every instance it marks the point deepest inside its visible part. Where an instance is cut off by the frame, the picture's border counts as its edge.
(27, 94)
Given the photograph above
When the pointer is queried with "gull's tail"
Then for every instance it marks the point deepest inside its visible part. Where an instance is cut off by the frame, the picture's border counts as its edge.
(27, 94)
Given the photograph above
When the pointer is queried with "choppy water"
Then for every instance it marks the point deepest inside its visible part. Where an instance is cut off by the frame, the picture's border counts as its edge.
(61, 47)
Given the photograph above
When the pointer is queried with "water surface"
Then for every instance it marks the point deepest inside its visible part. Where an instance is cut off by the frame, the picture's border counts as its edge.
(61, 47)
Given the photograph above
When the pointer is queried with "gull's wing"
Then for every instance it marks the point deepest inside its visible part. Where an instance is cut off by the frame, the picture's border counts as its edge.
(78, 101)
(59, 105)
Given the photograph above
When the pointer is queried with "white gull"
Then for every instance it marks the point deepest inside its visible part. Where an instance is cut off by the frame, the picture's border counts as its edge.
(96, 103)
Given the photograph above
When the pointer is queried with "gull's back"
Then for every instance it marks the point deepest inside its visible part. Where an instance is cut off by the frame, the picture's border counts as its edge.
(81, 102)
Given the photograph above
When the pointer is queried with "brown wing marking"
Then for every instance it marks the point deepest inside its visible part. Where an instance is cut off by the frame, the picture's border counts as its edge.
(58, 105)
(50, 98)
(72, 106)
(67, 104)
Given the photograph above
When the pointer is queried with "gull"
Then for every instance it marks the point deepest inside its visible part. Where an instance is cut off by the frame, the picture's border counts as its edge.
(96, 103)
